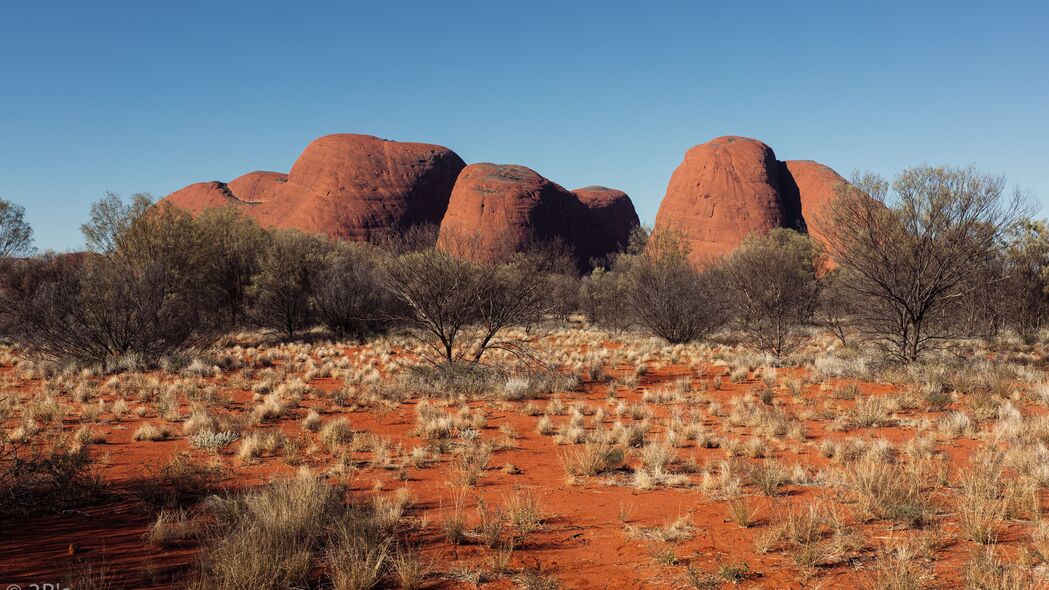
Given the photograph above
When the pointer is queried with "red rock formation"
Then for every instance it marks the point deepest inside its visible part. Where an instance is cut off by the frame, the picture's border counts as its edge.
(496, 209)
(354, 186)
(258, 187)
(731, 187)
(347, 186)
(609, 219)
(817, 186)
(724, 190)
(197, 197)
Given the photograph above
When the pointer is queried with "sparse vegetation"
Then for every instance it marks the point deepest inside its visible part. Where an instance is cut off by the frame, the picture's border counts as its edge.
(360, 415)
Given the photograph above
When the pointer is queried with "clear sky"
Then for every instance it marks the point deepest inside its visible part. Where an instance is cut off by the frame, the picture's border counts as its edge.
(151, 96)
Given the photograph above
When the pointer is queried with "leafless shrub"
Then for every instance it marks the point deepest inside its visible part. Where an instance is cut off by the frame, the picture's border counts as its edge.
(909, 260)
(668, 296)
(461, 309)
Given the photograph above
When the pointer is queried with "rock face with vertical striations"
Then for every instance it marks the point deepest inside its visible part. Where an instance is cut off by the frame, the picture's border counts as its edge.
(346, 186)
(731, 187)
(500, 208)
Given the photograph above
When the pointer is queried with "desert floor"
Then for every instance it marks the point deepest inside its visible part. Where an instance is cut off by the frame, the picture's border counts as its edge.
(628, 463)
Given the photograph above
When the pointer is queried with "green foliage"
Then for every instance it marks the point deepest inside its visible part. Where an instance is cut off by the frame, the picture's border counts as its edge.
(603, 297)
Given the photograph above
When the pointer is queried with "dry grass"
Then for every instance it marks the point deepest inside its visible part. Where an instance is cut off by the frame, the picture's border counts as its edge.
(890, 491)
(152, 433)
(593, 458)
(897, 568)
(651, 416)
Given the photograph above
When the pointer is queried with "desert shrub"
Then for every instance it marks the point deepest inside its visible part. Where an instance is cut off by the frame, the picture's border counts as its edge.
(235, 243)
(603, 299)
(593, 458)
(409, 569)
(986, 571)
(359, 555)
(96, 310)
(890, 491)
(280, 535)
(667, 294)
(564, 295)
(350, 298)
(911, 250)
(1023, 295)
(266, 538)
(981, 502)
(460, 309)
(834, 308)
(773, 288)
(477, 381)
(898, 568)
(170, 528)
(288, 277)
(151, 432)
(110, 218)
(43, 473)
(212, 441)
(147, 296)
(178, 483)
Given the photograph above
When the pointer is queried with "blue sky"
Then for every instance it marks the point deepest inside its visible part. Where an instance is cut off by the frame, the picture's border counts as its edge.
(151, 96)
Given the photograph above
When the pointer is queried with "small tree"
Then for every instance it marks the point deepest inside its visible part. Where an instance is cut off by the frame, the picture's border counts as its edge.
(234, 244)
(516, 293)
(774, 291)
(16, 235)
(604, 299)
(350, 298)
(287, 280)
(834, 310)
(149, 298)
(111, 217)
(910, 251)
(667, 295)
(1025, 283)
(461, 309)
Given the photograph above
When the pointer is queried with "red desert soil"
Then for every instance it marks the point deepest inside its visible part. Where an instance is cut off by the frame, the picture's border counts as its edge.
(582, 543)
